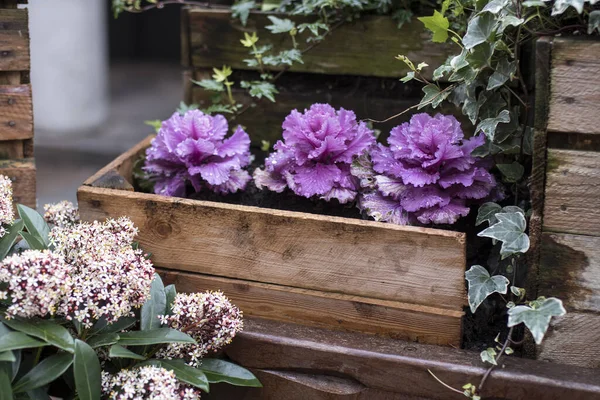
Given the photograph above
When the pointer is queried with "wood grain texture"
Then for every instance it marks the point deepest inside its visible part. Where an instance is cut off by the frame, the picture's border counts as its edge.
(329, 310)
(364, 47)
(573, 339)
(572, 192)
(575, 89)
(22, 174)
(397, 367)
(570, 270)
(14, 40)
(364, 258)
(12, 149)
(16, 112)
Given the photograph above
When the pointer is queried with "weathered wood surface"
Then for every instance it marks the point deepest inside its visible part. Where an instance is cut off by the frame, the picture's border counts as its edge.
(14, 40)
(316, 308)
(16, 112)
(22, 174)
(364, 258)
(390, 369)
(572, 192)
(364, 47)
(575, 88)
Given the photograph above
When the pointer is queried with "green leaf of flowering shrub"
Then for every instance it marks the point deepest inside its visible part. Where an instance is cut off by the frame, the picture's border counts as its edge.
(117, 351)
(86, 370)
(155, 336)
(48, 331)
(241, 10)
(33, 242)
(536, 316)
(223, 371)
(101, 327)
(183, 372)
(48, 370)
(170, 293)
(438, 25)
(105, 339)
(280, 25)
(35, 224)
(510, 230)
(489, 356)
(479, 30)
(18, 340)
(153, 307)
(6, 392)
(8, 356)
(481, 285)
(8, 240)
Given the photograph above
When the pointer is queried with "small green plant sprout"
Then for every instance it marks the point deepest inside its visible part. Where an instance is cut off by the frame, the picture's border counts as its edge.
(250, 41)
(220, 76)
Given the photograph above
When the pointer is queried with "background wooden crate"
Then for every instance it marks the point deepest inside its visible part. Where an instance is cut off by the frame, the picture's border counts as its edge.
(16, 114)
(354, 67)
(348, 274)
(566, 193)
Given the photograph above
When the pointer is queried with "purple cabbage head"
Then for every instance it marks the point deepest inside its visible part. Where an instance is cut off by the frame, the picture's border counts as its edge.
(316, 153)
(426, 174)
(193, 148)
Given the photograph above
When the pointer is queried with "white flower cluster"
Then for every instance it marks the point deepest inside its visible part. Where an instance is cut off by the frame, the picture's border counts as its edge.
(61, 214)
(209, 318)
(146, 383)
(7, 215)
(35, 282)
(110, 277)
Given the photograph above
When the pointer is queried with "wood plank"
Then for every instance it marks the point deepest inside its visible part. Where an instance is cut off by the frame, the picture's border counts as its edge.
(16, 112)
(14, 40)
(572, 192)
(573, 339)
(364, 258)
(398, 367)
(329, 310)
(575, 94)
(364, 47)
(12, 149)
(570, 270)
(22, 173)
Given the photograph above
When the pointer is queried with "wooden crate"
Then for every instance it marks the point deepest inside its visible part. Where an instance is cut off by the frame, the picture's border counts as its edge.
(566, 192)
(16, 114)
(354, 67)
(300, 363)
(403, 282)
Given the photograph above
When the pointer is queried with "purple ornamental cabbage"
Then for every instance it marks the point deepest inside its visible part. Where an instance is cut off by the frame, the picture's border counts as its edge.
(426, 174)
(192, 148)
(316, 153)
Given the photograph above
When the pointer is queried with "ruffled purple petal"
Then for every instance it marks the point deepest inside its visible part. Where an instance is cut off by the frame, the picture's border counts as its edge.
(448, 214)
(271, 180)
(237, 181)
(237, 144)
(418, 198)
(390, 186)
(382, 208)
(316, 179)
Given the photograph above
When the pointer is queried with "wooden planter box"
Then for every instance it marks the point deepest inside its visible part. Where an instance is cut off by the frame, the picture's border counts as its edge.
(566, 194)
(401, 282)
(16, 114)
(354, 67)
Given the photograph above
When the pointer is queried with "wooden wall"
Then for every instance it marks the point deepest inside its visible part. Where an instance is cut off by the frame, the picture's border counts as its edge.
(566, 193)
(16, 113)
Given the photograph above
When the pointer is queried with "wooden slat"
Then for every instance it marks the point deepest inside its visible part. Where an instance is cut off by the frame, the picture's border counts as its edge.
(575, 89)
(570, 270)
(572, 192)
(574, 339)
(16, 113)
(365, 258)
(365, 47)
(22, 173)
(14, 40)
(12, 149)
(329, 310)
(397, 367)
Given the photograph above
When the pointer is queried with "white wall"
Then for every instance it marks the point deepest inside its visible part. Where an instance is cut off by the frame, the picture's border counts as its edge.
(69, 64)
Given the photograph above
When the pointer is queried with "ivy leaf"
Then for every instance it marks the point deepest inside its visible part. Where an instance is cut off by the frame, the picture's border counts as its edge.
(481, 285)
(509, 20)
(510, 230)
(433, 96)
(536, 316)
(503, 72)
(220, 75)
(534, 3)
(488, 125)
(495, 6)
(313, 27)
(560, 6)
(479, 30)
(512, 172)
(594, 22)
(480, 56)
(242, 9)
(487, 212)
(402, 16)
(270, 5)
(210, 84)
(438, 25)
(489, 355)
(249, 40)
(288, 57)
(260, 89)
(280, 25)
(440, 71)
(251, 62)
(410, 75)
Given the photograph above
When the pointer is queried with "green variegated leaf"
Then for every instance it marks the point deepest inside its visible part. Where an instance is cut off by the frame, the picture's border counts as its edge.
(503, 72)
(594, 22)
(510, 230)
(512, 172)
(488, 126)
(280, 25)
(479, 30)
(210, 84)
(481, 285)
(433, 96)
(489, 356)
(241, 10)
(438, 25)
(487, 212)
(536, 316)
